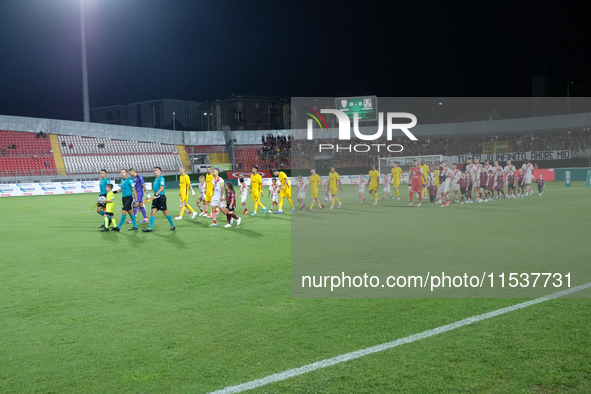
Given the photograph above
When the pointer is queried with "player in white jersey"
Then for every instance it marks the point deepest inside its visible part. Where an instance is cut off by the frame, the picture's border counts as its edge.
(455, 186)
(327, 196)
(487, 166)
(360, 186)
(496, 168)
(217, 184)
(508, 168)
(471, 169)
(528, 171)
(445, 176)
(301, 192)
(386, 189)
(243, 194)
(477, 186)
(201, 199)
(274, 194)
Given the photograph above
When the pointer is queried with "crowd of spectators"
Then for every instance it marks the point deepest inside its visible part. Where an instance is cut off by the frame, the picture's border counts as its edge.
(579, 142)
(275, 151)
(275, 146)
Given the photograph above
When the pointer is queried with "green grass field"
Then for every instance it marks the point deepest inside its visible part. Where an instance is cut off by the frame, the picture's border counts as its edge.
(200, 309)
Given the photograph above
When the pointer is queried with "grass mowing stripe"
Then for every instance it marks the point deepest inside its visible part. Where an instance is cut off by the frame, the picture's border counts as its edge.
(388, 345)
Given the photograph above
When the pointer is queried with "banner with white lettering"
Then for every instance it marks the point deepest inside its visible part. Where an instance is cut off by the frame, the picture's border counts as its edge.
(50, 188)
(515, 156)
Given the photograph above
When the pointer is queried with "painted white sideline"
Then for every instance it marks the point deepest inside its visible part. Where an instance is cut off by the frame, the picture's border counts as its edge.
(388, 345)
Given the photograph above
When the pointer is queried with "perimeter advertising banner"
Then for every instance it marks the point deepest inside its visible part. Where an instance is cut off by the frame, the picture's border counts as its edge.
(50, 188)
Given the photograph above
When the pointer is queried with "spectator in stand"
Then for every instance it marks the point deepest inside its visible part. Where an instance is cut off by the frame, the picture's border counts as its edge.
(71, 146)
(536, 166)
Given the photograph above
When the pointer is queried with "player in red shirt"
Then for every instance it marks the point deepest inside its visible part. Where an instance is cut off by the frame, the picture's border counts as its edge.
(432, 192)
(469, 187)
(415, 179)
(463, 184)
(500, 183)
(540, 182)
(482, 184)
(490, 189)
(511, 184)
(520, 183)
(230, 205)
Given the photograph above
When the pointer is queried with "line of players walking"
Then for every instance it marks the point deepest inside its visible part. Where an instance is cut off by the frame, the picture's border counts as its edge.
(216, 196)
(482, 180)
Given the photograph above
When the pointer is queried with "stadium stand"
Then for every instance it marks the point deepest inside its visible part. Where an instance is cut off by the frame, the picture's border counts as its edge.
(20, 143)
(245, 157)
(23, 154)
(85, 155)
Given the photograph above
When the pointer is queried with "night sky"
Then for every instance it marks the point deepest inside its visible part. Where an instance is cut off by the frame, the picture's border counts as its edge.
(141, 50)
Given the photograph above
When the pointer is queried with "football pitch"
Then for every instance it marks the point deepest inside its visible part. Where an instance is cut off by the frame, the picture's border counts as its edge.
(201, 309)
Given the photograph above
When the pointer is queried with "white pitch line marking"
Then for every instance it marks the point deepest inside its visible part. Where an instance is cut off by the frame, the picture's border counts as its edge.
(388, 345)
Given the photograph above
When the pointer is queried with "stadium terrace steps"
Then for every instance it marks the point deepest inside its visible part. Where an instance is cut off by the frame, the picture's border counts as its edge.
(245, 158)
(89, 155)
(26, 143)
(218, 158)
(57, 155)
(183, 156)
(31, 155)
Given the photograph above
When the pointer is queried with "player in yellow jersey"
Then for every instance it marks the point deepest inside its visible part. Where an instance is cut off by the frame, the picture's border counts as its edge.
(185, 185)
(256, 189)
(334, 182)
(397, 177)
(285, 188)
(436, 177)
(373, 183)
(315, 180)
(425, 168)
(109, 208)
(208, 190)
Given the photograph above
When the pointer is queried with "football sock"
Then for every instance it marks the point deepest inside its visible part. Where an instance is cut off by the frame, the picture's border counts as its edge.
(290, 202)
(102, 213)
(411, 195)
(106, 221)
(190, 208)
(144, 212)
(133, 221)
(182, 211)
(397, 193)
(122, 220)
(170, 220)
(152, 220)
(280, 205)
(375, 196)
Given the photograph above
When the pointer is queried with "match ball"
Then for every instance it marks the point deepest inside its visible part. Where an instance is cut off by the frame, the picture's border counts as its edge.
(102, 199)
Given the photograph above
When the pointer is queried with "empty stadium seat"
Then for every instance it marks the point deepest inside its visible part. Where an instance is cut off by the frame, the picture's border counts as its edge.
(90, 155)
